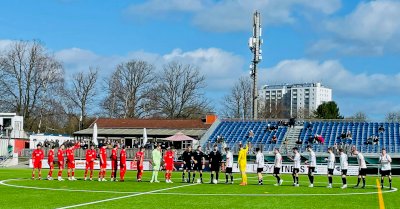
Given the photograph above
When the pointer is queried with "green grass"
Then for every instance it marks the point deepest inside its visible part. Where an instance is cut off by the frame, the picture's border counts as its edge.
(60, 194)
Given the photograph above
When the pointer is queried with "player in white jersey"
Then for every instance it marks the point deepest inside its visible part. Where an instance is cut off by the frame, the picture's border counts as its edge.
(312, 163)
(260, 165)
(386, 168)
(228, 165)
(344, 165)
(296, 166)
(331, 166)
(362, 172)
(277, 167)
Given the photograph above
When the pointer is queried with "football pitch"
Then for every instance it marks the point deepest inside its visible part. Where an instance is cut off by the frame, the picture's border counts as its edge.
(19, 191)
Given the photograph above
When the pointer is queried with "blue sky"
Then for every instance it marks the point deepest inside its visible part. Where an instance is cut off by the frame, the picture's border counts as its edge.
(350, 46)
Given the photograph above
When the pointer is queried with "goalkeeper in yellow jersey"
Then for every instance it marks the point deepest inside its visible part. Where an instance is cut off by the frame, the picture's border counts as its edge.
(242, 162)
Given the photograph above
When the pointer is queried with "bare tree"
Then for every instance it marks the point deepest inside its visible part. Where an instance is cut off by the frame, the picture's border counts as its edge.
(360, 116)
(238, 103)
(392, 117)
(178, 92)
(28, 76)
(272, 109)
(82, 92)
(127, 90)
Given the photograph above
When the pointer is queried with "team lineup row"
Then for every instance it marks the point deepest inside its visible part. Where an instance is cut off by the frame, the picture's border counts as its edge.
(194, 162)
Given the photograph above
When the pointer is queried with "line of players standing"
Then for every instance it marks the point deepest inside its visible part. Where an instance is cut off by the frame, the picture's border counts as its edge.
(194, 161)
(384, 160)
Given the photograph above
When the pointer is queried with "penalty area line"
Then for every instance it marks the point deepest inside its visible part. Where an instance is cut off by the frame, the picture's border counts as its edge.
(123, 197)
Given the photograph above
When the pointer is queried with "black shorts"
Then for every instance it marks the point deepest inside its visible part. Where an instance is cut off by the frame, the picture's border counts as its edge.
(386, 173)
(215, 168)
(311, 170)
(228, 170)
(187, 166)
(296, 170)
(260, 170)
(277, 170)
(330, 171)
(198, 167)
(344, 171)
(362, 172)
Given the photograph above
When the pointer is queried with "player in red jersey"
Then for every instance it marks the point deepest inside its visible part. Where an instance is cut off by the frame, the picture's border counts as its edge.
(122, 164)
(103, 162)
(37, 157)
(71, 161)
(114, 163)
(169, 164)
(50, 161)
(60, 157)
(139, 158)
(90, 158)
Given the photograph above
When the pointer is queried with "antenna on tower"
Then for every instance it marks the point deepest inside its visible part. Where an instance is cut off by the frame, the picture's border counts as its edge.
(255, 43)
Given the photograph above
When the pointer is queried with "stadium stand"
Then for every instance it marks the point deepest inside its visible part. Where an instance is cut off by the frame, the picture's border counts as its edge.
(233, 132)
(388, 136)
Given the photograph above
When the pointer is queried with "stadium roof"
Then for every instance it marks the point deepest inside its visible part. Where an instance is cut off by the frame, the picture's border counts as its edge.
(151, 123)
(159, 128)
(139, 132)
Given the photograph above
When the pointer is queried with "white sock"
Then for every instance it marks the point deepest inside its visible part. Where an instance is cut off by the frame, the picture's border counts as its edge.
(156, 175)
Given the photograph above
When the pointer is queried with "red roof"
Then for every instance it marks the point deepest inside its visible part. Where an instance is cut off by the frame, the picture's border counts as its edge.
(152, 123)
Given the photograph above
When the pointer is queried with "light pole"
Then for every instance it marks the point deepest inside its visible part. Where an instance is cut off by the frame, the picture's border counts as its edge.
(255, 47)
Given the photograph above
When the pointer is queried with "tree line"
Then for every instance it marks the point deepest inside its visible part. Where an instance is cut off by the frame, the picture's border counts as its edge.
(34, 85)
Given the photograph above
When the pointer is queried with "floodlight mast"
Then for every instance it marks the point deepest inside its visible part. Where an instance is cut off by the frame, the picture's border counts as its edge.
(255, 47)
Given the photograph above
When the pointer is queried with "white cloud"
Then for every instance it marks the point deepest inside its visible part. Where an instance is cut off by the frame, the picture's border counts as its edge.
(332, 74)
(231, 15)
(372, 28)
(221, 68)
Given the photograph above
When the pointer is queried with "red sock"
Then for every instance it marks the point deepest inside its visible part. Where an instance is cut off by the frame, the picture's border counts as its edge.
(33, 175)
(50, 173)
(91, 174)
(59, 173)
(69, 173)
(73, 173)
(40, 175)
(169, 176)
(85, 173)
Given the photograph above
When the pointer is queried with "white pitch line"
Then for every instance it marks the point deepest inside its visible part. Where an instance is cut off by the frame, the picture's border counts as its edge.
(55, 189)
(123, 197)
(279, 195)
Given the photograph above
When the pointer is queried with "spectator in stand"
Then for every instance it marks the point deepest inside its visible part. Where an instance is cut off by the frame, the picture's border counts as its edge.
(375, 140)
(251, 134)
(268, 127)
(310, 140)
(299, 141)
(274, 139)
(369, 141)
(343, 137)
(319, 139)
(348, 135)
(309, 126)
(381, 129)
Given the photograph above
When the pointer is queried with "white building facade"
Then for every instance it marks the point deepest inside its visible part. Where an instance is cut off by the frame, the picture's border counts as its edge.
(294, 100)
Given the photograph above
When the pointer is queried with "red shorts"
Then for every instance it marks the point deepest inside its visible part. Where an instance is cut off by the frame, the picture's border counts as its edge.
(139, 167)
(71, 164)
(51, 165)
(103, 165)
(122, 166)
(90, 165)
(38, 164)
(169, 166)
